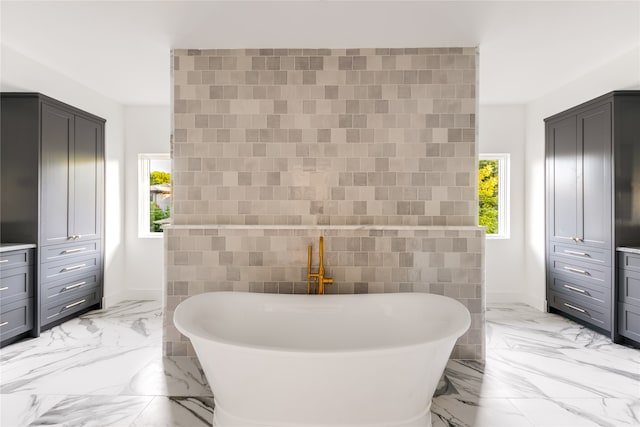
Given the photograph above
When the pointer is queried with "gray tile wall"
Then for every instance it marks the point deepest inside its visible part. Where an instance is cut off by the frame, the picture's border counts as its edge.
(441, 260)
(314, 139)
(329, 137)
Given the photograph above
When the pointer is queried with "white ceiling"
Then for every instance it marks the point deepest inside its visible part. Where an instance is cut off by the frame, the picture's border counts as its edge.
(121, 49)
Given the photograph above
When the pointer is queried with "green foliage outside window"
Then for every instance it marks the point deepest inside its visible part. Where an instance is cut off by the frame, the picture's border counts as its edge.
(488, 195)
(155, 211)
(157, 214)
(157, 177)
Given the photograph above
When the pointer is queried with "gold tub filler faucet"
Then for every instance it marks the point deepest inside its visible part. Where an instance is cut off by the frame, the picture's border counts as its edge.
(319, 279)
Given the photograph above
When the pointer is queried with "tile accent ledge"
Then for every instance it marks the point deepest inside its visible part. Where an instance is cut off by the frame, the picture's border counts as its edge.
(322, 227)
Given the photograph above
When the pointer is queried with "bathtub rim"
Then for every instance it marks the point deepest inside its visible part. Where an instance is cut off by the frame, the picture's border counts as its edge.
(358, 352)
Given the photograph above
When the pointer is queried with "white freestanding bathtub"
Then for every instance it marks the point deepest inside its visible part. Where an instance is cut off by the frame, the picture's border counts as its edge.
(322, 360)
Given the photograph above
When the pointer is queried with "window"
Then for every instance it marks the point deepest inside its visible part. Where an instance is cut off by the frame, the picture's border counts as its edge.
(493, 194)
(154, 193)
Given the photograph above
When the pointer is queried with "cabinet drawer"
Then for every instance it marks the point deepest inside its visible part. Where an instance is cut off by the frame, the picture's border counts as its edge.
(581, 291)
(19, 258)
(16, 284)
(16, 318)
(574, 252)
(593, 314)
(587, 272)
(67, 267)
(68, 250)
(79, 283)
(629, 287)
(629, 321)
(69, 305)
(629, 261)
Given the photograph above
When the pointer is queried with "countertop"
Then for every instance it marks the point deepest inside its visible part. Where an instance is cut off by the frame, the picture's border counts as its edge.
(6, 247)
(630, 249)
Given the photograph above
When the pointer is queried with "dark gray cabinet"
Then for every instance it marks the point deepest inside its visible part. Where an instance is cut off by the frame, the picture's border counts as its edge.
(57, 126)
(562, 172)
(85, 214)
(579, 161)
(592, 196)
(594, 140)
(16, 292)
(628, 303)
(71, 171)
(53, 195)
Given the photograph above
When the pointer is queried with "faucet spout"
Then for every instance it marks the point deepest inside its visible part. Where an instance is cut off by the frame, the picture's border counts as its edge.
(321, 267)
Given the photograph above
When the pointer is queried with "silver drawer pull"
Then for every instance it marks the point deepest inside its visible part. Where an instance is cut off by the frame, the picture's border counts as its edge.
(4, 323)
(74, 304)
(2, 261)
(4, 288)
(582, 291)
(70, 251)
(567, 251)
(74, 267)
(575, 270)
(575, 308)
(66, 288)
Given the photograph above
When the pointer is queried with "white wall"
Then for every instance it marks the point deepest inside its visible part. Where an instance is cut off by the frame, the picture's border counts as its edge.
(501, 130)
(621, 73)
(147, 130)
(19, 73)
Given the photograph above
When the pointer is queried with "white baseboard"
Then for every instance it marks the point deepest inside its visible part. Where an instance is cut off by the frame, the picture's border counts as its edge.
(504, 297)
(142, 294)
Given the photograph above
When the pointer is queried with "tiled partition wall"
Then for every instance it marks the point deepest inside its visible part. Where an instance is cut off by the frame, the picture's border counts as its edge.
(275, 147)
(441, 260)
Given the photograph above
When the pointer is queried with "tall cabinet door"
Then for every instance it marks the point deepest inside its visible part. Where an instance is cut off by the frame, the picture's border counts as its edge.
(594, 135)
(56, 175)
(563, 169)
(88, 177)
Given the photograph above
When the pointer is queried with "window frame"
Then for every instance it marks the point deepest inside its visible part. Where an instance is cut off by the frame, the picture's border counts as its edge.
(144, 194)
(504, 206)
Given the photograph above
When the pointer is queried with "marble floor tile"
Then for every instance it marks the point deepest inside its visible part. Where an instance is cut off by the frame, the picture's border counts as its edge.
(177, 411)
(491, 380)
(19, 410)
(170, 376)
(114, 327)
(515, 325)
(564, 374)
(93, 411)
(618, 352)
(104, 371)
(615, 412)
(106, 368)
(580, 412)
(75, 370)
(474, 412)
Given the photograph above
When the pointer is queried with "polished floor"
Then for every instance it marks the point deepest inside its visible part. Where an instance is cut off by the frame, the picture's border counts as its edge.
(106, 369)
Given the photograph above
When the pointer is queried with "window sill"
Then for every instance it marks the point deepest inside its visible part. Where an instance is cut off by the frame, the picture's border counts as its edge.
(497, 236)
(158, 235)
